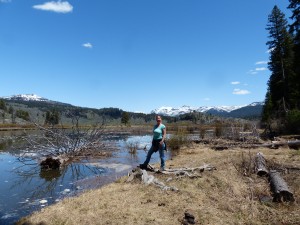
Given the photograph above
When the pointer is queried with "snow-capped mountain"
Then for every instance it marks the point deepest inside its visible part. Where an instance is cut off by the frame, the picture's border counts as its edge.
(27, 97)
(32, 98)
(215, 110)
(170, 111)
(246, 111)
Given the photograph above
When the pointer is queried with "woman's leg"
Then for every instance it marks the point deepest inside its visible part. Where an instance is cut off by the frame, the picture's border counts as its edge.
(162, 156)
(150, 152)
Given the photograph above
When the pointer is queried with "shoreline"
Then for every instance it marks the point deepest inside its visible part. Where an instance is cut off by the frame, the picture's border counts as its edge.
(224, 196)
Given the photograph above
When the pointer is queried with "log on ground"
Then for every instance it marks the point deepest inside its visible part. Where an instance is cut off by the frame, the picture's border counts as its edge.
(279, 188)
(260, 165)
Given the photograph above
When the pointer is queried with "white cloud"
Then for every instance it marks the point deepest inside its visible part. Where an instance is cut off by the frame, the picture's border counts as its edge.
(261, 62)
(235, 82)
(206, 99)
(87, 45)
(237, 91)
(58, 7)
(260, 69)
(5, 1)
(252, 72)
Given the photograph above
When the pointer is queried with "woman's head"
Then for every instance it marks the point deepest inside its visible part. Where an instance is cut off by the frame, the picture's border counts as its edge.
(158, 118)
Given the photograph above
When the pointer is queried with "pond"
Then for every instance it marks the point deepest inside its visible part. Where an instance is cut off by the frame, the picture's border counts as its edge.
(25, 188)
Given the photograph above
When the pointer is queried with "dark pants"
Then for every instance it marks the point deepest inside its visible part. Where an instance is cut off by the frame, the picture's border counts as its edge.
(154, 148)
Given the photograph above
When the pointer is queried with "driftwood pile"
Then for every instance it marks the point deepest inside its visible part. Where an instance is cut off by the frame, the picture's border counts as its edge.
(144, 177)
(222, 144)
(278, 185)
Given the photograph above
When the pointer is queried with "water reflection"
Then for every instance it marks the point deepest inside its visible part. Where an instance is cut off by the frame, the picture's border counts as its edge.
(24, 187)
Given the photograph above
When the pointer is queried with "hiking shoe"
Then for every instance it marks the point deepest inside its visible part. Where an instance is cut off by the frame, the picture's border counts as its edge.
(143, 166)
(162, 169)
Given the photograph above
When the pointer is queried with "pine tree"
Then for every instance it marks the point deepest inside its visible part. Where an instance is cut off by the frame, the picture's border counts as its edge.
(295, 31)
(282, 79)
(125, 118)
(267, 109)
(3, 105)
(52, 117)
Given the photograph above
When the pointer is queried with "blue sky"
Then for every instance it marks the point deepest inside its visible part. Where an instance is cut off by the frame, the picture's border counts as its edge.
(136, 55)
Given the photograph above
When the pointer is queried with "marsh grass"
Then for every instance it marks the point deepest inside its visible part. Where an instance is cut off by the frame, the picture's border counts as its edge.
(222, 196)
(132, 147)
(177, 140)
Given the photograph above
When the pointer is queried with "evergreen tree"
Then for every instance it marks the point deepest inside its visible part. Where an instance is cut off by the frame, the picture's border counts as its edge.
(282, 80)
(125, 118)
(3, 105)
(52, 117)
(267, 109)
(13, 116)
(295, 31)
(23, 114)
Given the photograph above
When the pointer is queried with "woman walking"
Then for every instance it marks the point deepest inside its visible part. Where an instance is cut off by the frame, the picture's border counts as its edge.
(158, 144)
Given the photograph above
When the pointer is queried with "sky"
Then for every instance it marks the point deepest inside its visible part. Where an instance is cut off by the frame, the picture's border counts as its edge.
(136, 55)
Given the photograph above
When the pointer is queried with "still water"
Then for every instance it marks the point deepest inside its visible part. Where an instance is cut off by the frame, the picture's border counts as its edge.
(24, 189)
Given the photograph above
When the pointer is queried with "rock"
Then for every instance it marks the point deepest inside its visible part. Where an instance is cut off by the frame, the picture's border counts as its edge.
(189, 218)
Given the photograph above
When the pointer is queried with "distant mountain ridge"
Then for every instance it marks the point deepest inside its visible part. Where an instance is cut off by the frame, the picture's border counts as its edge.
(245, 111)
(26, 97)
(32, 98)
(252, 110)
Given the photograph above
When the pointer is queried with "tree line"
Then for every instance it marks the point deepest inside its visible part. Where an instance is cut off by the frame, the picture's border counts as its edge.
(282, 101)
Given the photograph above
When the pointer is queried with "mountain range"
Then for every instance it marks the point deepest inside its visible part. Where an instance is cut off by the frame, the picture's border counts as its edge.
(246, 111)
(252, 110)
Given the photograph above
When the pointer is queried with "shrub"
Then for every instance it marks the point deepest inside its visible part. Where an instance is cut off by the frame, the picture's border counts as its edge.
(218, 129)
(177, 140)
(22, 114)
(293, 121)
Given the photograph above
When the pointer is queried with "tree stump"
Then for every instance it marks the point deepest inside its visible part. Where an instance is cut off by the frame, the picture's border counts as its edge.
(279, 188)
(261, 165)
(50, 164)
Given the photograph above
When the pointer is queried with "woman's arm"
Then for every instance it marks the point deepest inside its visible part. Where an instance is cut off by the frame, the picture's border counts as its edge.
(163, 135)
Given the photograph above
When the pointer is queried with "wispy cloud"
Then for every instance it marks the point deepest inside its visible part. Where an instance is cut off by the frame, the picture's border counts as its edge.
(87, 45)
(261, 69)
(58, 7)
(252, 72)
(261, 62)
(5, 1)
(237, 91)
(235, 82)
(256, 70)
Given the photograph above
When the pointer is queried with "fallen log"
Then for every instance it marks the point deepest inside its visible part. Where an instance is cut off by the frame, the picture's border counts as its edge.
(147, 179)
(260, 165)
(279, 188)
(276, 144)
(181, 171)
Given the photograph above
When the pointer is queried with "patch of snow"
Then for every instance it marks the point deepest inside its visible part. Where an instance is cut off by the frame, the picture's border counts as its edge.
(26, 97)
(43, 201)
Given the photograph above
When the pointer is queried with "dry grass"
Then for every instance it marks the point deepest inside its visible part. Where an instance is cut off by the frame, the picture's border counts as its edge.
(223, 196)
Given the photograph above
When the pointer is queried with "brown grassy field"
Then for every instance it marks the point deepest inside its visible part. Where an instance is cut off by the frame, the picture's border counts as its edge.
(231, 194)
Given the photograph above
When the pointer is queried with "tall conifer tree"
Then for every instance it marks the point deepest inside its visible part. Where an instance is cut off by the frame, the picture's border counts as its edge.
(282, 77)
(295, 31)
